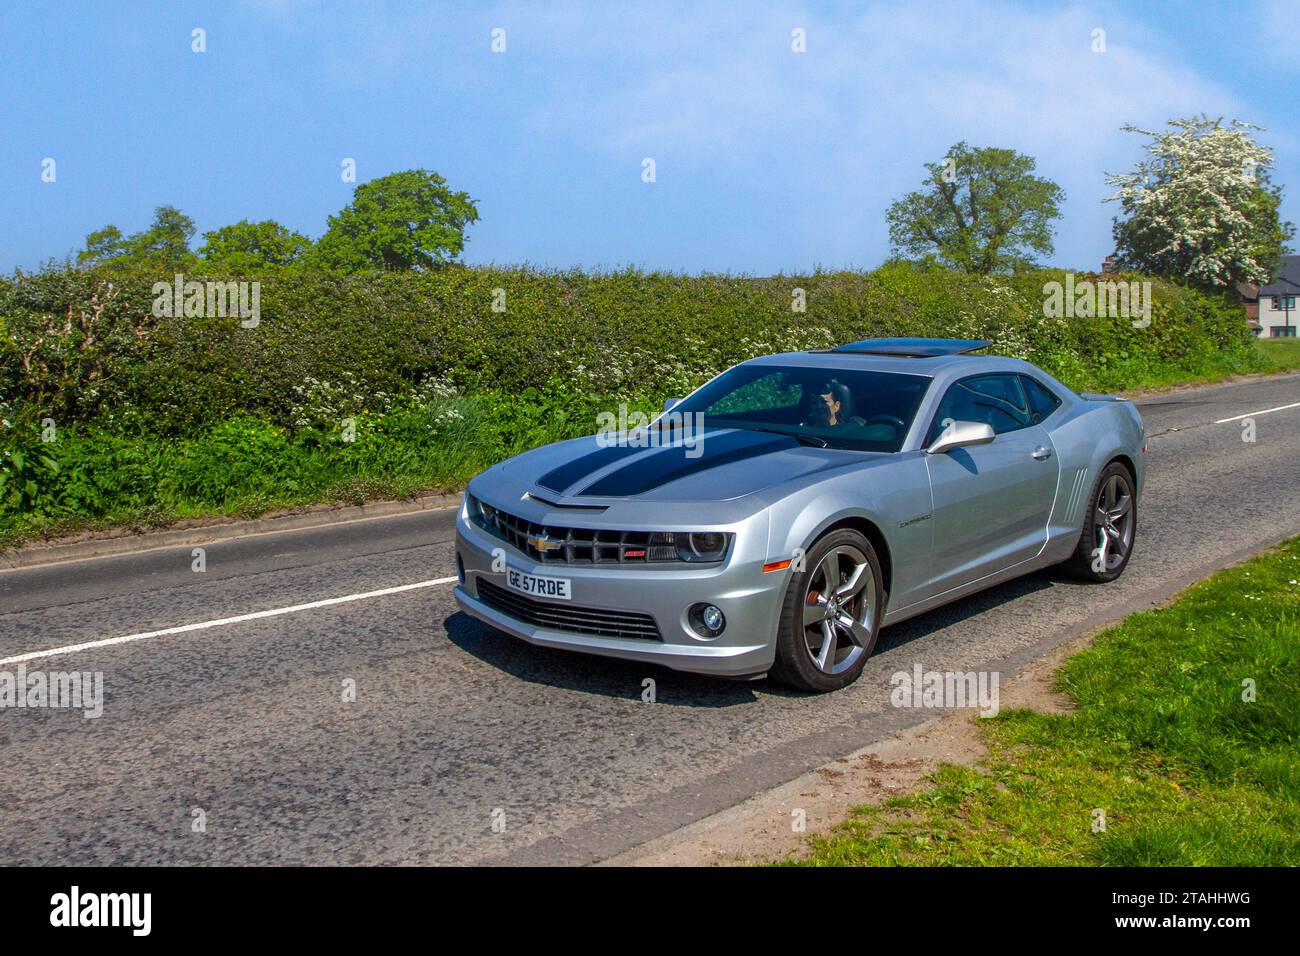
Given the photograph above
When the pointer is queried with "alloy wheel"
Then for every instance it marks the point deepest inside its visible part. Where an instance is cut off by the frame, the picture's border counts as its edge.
(1113, 519)
(839, 608)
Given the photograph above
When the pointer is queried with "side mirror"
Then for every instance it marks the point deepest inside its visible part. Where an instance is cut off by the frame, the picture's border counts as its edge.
(961, 434)
(670, 402)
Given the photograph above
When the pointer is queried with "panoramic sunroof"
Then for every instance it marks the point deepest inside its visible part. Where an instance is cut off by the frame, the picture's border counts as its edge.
(915, 348)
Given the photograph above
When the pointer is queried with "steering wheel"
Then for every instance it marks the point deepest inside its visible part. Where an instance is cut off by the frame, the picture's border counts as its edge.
(894, 420)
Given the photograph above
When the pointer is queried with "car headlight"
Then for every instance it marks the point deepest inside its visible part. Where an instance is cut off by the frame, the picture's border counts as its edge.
(702, 545)
(698, 546)
(480, 511)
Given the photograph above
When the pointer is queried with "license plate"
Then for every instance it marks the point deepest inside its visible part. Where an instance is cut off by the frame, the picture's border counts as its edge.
(537, 585)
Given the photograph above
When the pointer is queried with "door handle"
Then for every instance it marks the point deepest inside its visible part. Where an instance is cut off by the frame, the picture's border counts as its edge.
(1042, 453)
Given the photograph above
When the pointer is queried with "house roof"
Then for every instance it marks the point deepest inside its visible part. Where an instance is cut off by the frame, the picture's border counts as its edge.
(1286, 281)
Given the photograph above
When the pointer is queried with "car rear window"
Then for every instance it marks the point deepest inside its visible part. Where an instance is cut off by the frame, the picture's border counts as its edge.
(1042, 401)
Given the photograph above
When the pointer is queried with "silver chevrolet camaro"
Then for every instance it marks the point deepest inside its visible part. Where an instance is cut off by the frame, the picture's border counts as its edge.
(773, 521)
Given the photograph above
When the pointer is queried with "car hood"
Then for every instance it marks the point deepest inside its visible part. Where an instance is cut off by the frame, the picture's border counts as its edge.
(725, 464)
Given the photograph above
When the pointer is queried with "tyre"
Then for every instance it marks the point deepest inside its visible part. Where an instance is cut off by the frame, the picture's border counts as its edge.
(1109, 528)
(831, 616)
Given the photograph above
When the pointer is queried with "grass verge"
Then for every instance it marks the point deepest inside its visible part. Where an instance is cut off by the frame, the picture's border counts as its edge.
(1186, 743)
(1283, 355)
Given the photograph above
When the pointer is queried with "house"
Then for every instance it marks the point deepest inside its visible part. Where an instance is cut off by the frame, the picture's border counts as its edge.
(1278, 315)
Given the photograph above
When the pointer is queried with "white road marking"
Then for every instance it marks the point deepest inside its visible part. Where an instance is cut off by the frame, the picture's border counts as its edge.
(219, 622)
(1237, 418)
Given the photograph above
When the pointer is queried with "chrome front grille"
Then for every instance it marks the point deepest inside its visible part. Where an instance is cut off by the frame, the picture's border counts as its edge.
(557, 544)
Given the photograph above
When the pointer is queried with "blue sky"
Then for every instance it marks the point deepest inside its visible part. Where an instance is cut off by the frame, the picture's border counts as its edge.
(767, 160)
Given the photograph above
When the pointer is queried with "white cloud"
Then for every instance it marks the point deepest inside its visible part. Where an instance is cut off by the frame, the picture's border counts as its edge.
(882, 89)
(827, 138)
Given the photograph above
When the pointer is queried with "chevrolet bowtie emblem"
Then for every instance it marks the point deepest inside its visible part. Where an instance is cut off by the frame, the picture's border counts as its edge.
(542, 543)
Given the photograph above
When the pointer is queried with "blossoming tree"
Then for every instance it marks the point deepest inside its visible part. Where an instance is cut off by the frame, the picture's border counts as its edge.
(1200, 207)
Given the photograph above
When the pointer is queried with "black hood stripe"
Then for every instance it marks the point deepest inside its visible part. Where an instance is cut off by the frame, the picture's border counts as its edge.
(559, 479)
(671, 464)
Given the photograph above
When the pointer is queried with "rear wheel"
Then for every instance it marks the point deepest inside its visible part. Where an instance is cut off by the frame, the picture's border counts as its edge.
(831, 616)
(1109, 528)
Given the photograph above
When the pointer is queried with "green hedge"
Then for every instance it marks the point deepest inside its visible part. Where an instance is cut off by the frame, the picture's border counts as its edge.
(617, 334)
(158, 418)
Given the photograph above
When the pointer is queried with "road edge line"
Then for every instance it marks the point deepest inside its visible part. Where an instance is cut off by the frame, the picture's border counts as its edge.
(69, 649)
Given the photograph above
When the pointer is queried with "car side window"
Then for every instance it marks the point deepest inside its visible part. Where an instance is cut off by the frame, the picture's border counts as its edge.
(1042, 400)
(995, 400)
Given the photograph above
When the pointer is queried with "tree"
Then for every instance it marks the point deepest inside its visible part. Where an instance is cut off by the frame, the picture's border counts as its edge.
(407, 220)
(247, 246)
(164, 245)
(102, 246)
(1201, 208)
(981, 210)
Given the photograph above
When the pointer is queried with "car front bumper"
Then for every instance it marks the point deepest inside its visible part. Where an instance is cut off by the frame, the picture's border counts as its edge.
(749, 598)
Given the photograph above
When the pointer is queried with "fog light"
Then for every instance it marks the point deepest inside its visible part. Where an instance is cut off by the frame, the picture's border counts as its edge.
(460, 569)
(706, 620)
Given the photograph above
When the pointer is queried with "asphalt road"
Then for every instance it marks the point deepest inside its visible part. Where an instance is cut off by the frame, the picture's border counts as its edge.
(456, 727)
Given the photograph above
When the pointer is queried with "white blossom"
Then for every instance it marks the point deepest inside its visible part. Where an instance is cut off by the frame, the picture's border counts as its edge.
(1187, 199)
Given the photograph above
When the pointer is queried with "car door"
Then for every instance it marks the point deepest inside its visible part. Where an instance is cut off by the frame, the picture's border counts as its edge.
(991, 502)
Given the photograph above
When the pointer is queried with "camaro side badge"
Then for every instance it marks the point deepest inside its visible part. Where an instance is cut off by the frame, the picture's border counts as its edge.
(904, 524)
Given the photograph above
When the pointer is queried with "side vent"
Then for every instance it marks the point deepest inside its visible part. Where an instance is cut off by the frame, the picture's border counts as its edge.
(1076, 493)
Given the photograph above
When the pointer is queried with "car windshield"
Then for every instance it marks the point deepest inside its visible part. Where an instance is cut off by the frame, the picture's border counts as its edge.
(841, 408)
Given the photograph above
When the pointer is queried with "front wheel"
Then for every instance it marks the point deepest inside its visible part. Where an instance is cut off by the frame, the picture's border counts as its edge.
(831, 616)
(1109, 528)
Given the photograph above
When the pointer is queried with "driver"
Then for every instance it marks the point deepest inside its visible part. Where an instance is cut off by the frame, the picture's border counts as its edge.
(830, 406)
